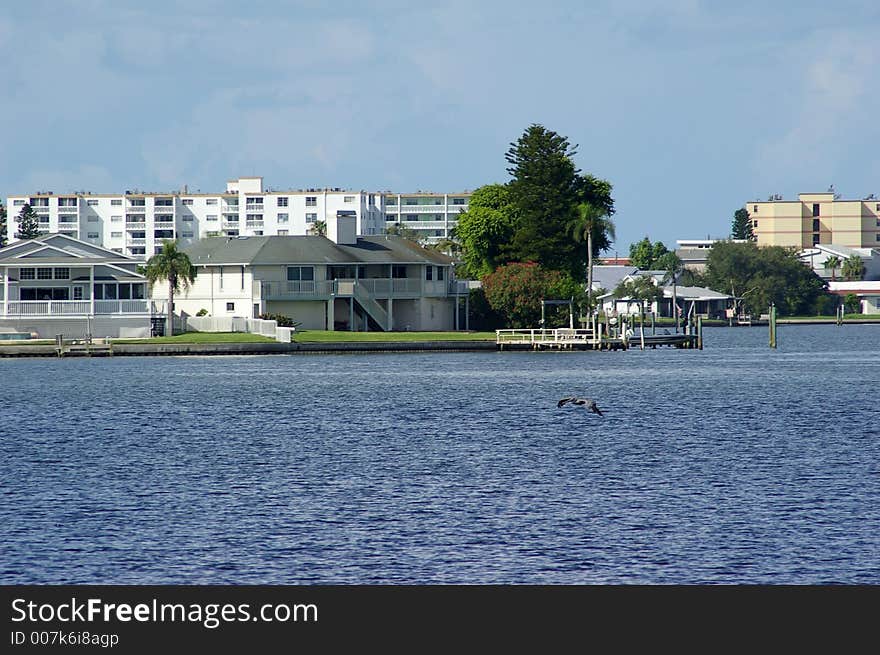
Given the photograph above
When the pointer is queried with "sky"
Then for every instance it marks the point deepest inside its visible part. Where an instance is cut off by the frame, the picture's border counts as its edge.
(690, 109)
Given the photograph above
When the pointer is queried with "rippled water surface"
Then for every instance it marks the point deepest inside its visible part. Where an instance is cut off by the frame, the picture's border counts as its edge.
(737, 464)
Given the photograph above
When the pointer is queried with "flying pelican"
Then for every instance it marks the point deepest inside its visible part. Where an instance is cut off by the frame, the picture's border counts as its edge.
(586, 403)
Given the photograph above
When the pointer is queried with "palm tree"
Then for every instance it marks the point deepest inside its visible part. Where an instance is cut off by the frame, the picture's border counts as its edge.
(173, 265)
(833, 262)
(319, 229)
(853, 268)
(590, 219)
(671, 263)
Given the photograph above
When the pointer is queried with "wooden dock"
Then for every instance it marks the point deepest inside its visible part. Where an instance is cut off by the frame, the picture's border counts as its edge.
(577, 339)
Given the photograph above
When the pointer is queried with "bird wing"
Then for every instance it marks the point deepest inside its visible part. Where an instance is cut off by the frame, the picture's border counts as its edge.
(565, 400)
(596, 410)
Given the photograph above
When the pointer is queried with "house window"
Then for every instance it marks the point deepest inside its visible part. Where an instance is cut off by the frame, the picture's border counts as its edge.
(755, 224)
(44, 273)
(20, 203)
(815, 209)
(116, 235)
(815, 239)
(230, 307)
(412, 217)
(311, 201)
(815, 224)
(300, 273)
(116, 219)
(754, 209)
(348, 199)
(242, 278)
(187, 218)
(92, 203)
(62, 273)
(282, 233)
(282, 201)
(116, 202)
(213, 217)
(187, 201)
(94, 235)
(283, 218)
(77, 293)
(211, 201)
(27, 274)
(187, 235)
(876, 208)
(398, 270)
(458, 201)
(411, 201)
(429, 272)
(440, 273)
(311, 218)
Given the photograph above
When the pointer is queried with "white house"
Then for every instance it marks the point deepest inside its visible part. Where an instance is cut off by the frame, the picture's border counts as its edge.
(705, 302)
(342, 282)
(816, 257)
(56, 284)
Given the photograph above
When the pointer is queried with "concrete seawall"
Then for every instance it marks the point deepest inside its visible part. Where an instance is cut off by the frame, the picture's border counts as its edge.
(268, 348)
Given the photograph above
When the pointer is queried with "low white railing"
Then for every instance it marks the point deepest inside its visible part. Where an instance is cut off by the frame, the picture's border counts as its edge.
(558, 335)
(75, 307)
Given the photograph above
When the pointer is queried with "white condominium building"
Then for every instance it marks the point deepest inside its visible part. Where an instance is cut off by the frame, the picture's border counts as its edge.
(430, 215)
(135, 223)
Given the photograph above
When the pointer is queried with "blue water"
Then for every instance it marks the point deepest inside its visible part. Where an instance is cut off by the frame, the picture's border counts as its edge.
(736, 464)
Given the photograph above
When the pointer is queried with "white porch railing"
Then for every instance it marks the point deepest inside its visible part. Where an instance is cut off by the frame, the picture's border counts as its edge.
(74, 307)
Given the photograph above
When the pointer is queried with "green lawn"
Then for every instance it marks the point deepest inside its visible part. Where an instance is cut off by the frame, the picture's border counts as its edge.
(324, 336)
(203, 337)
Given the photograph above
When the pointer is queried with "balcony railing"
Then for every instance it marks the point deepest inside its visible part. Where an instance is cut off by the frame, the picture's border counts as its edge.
(280, 289)
(138, 241)
(74, 307)
(254, 224)
(166, 225)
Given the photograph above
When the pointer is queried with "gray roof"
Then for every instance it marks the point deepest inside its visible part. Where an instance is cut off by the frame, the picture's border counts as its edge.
(694, 293)
(60, 249)
(390, 249)
(608, 277)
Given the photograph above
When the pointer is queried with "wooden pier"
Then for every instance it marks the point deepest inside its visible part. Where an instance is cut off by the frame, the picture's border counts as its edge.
(575, 339)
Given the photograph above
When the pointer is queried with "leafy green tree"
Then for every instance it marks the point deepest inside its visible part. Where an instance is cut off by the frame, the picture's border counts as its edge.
(400, 230)
(641, 289)
(545, 189)
(516, 290)
(28, 223)
(761, 276)
(174, 266)
(486, 229)
(319, 228)
(2, 225)
(853, 268)
(591, 221)
(741, 227)
(833, 263)
(646, 255)
(851, 304)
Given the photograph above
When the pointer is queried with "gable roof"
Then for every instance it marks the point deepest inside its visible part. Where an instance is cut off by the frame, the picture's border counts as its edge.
(254, 251)
(60, 247)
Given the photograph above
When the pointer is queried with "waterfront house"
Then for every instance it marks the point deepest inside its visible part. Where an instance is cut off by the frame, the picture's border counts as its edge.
(339, 282)
(56, 284)
(705, 302)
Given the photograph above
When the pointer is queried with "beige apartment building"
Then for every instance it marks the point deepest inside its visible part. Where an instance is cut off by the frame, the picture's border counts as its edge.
(816, 218)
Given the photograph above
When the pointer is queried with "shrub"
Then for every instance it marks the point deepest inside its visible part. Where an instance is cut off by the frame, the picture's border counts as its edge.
(202, 312)
(281, 320)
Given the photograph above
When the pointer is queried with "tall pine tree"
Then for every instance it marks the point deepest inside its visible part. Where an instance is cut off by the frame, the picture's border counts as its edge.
(28, 224)
(2, 225)
(742, 225)
(545, 192)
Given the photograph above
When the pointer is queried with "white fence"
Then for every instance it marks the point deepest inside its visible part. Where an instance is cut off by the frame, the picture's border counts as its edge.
(240, 324)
